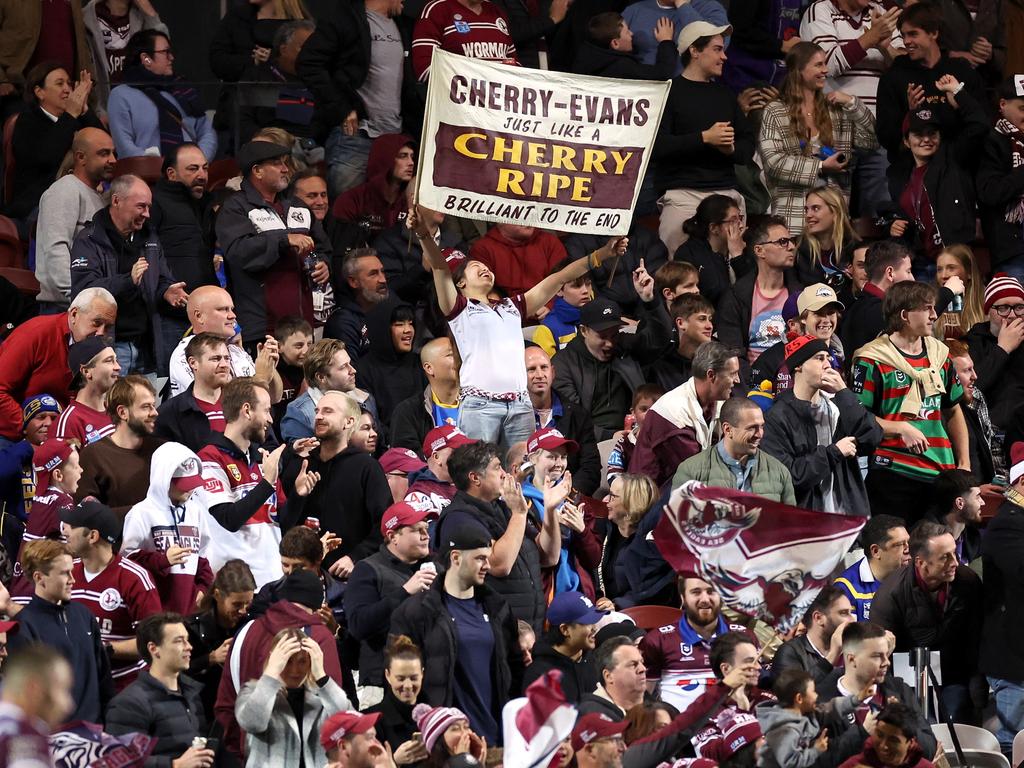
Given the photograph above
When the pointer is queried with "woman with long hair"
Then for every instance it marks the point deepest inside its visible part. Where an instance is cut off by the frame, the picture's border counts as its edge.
(828, 241)
(403, 673)
(282, 712)
(956, 270)
(629, 498)
(715, 245)
(808, 137)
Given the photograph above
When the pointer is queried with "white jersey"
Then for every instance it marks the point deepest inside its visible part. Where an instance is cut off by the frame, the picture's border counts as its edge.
(181, 376)
(490, 340)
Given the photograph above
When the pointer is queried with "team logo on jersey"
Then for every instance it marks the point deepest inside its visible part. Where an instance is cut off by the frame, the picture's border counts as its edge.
(686, 649)
(502, 25)
(900, 376)
(233, 469)
(716, 522)
(462, 27)
(88, 427)
(110, 600)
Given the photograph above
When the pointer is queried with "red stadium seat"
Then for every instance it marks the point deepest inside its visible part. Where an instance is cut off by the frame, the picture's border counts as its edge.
(146, 168)
(22, 279)
(221, 171)
(653, 616)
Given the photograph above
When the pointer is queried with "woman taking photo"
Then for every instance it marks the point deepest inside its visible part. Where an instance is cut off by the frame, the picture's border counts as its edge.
(807, 137)
(828, 242)
(629, 498)
(403, 673)
(445, 733)
(281, 713)
(715, 245)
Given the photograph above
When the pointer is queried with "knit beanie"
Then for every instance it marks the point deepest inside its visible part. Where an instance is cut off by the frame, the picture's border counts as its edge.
(434, 721)
(1002, 286)
(803, 348)
(302, 587)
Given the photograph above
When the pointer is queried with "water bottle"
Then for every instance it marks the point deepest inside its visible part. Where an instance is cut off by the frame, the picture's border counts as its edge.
(957, 304)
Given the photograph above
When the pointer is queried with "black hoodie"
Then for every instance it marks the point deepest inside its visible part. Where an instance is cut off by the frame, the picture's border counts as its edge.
(604, 62)
(388, 375)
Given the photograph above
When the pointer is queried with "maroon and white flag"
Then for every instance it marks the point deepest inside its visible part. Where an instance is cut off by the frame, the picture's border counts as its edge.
(767, 560)
(535, 725)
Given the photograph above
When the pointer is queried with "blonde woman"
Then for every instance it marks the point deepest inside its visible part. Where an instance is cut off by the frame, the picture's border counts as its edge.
(629, 498)
(808, 137)
(828, 240)
(293, 681)
(956, 271)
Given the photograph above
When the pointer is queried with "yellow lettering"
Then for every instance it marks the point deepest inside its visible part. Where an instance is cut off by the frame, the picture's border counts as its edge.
(535, 154)
(538, 184)
(562, 156)
(510, 180)
(461, 145)
(556, 182)
(513, 153)
(620, 161)
(593, 160)
(581, 189)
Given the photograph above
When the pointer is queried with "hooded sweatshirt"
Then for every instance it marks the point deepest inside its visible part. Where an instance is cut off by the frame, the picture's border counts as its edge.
(370, 203)
(518, 266)
(156, 523)
(249, 653)
(390, 375)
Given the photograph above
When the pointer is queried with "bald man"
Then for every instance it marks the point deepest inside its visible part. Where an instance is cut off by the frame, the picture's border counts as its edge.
(439, 403)
(210, 309)
(64, 209)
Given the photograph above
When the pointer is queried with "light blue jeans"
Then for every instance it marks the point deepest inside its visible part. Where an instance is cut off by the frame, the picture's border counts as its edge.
(346, 158)
(495, 421)
(131, 358)
(1009, 695)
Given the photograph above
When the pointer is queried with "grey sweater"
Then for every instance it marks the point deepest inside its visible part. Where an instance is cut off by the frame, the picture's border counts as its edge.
(64, 209)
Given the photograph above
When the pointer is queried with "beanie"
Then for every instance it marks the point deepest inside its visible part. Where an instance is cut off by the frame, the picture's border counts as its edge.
(1002, 286)
(302, 587)
(434, 721)
(803, 348)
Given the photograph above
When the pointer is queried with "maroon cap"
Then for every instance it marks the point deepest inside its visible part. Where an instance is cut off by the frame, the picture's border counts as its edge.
(50, 455)
(400, 460)
(594, 726)
(549, 439)
(401, 514)
(188, 475)
(342, 724)
(447, 436)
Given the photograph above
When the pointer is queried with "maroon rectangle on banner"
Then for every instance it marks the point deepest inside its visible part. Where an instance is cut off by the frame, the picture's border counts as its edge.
(535, 168)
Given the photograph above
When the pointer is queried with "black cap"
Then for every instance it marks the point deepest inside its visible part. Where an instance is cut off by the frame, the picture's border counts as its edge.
(256, 152)
(302, 587)
(619, 629)
(466, 536)
(95, 516)
(81, 352)
(601, 314)
(921, 120)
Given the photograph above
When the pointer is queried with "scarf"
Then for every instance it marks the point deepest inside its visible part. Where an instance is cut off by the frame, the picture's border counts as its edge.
(927, 382)
(1015, 210)
(566, 578)
(158, 88)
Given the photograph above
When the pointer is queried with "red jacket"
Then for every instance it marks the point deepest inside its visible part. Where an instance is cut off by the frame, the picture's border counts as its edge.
(915, 758)
(369, 201)
(518, 266)
(661, 447)
(33, 361)
(249, 654)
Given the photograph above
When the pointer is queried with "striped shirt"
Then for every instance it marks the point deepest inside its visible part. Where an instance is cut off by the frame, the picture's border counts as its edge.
(451, 26)
(84, 424)
(851, 69)
(881, 388)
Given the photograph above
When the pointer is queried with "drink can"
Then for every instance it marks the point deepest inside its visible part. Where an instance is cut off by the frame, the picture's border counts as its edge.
(198, 742)
(313, 522)
(428, 566)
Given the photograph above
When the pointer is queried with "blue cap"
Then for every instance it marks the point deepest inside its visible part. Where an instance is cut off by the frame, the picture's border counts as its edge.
(573, 608)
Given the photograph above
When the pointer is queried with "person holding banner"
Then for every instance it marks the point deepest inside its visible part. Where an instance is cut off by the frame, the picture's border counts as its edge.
(495, 404)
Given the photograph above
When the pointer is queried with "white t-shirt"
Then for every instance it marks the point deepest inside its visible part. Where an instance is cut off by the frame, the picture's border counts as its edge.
(181, 374)
(490, 342)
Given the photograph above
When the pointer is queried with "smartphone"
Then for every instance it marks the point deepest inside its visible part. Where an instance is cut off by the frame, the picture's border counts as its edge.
(213, 744)
(417, 736)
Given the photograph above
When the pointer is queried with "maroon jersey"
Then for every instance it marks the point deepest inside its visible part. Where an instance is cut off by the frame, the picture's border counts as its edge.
(22, 743)
(214, 412)
(43, 523)
(119, 596)
(82, 423)
(451, 26)
(678, 659)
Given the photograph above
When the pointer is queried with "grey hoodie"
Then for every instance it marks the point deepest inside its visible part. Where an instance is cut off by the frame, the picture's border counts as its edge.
(789, 737)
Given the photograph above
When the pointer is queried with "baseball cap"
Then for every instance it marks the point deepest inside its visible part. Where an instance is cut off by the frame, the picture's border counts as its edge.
(594, 726)
(401, 514)
(256, 152)
(601, 314)
(342, 724)
(816, 297)
(549, 439)
(789, 309)
(95, 516)
(50, 455)
(445, 436)
(466, 536)
(81, 352)
(400, 460)
(698, 29)
(188, 475)
(33, 406)
(573, 608)
(920, 120)
(734, 730)
(625, 629)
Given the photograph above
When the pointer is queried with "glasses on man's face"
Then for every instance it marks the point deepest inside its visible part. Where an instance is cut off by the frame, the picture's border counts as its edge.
(782, 242)
(168, 52)
(1004, 310)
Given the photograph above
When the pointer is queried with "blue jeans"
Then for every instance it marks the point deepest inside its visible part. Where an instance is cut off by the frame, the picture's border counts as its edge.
(870, 180)
(131, 358)
(496, 421)
(346, 158)
(1009, 695)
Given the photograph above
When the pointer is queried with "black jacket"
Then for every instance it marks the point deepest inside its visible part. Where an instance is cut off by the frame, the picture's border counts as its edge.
(411, 420)
(185, 227)
(902, 607)
(591, 702)
(585, 464)
(1000, 375)
(791, 437)
(798, 653)
(205, 636)
(403, 261)
(1002, 552)
(396, 725)
(390, 376)
(349, 500)
(578, 677)
(670, 370)
(374, 592)
(72, 631)
(614, 278)
(180, 419)
(970, 538)
(1000, 186)
(861, 323)
(732, 316)
(335, 62)
(172, 718)
(347, 323)
(523, 588)
(604, 62)
(426, 620)
(809, 274)
(712, 268)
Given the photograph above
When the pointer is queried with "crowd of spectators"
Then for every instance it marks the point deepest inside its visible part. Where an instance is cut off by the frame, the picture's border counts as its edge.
(295, 471)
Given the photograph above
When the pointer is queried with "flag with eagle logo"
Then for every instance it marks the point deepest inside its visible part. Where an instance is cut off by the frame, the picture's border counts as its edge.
(767, 560)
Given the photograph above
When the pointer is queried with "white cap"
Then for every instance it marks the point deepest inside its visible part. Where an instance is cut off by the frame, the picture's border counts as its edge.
(698, 29)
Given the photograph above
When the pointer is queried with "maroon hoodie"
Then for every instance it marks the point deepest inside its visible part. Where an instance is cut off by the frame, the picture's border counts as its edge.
(870, 758)
(249, 654)
(369, 201)
(519, 266)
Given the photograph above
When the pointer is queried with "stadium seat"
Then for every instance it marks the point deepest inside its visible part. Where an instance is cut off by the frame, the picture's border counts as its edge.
(146, 168)
(1018, 749)
(605, 449)
(220, 171)
(22, 279)
(971, 737)
(652, 616)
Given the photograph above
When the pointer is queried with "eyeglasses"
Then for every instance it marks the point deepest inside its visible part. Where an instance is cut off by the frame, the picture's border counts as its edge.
(782, 242)
(1004, 310)
(168, 52)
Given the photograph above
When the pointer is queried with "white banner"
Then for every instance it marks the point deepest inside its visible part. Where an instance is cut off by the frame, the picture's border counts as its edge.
(526, 146)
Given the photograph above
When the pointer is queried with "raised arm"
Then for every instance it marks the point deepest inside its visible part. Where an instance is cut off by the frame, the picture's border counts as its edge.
(545, 290)
(447, 293)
